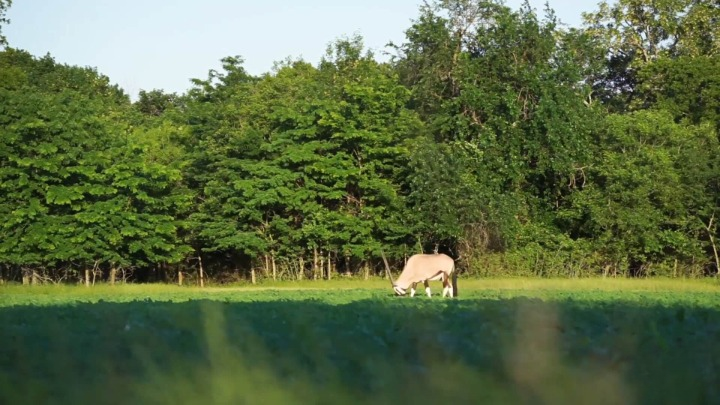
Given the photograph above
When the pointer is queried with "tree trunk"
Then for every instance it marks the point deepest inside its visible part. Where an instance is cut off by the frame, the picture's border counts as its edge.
(180, 278)
(712, 242)
(266, 266)
(113, 275)
(322, 266)
(330, 266)
(25, 277)
(274, 267)
(366, 270)
(34, 277)
(200, 270)
(302, 268)
(87, 278)
(253, 278)
(315, 263)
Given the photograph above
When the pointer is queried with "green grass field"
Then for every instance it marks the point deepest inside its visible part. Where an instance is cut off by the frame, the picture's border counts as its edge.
(502, 341)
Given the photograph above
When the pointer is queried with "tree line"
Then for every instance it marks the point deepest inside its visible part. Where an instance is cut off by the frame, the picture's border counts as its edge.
(514, 143)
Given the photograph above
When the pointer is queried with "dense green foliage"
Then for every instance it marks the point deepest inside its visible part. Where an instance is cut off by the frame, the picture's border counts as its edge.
(75, 190)
(185, 346)
(496, 135)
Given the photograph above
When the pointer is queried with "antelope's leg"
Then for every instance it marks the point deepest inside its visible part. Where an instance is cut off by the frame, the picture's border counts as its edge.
(412, 289)
(447, 288)
(427, 289)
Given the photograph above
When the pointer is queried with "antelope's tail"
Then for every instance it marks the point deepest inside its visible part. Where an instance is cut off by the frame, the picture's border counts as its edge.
(454, 281)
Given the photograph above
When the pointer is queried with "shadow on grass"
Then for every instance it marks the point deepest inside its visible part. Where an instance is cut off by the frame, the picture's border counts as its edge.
(518, 350)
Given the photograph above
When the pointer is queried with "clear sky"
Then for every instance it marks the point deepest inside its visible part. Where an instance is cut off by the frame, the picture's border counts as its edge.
(162, 44)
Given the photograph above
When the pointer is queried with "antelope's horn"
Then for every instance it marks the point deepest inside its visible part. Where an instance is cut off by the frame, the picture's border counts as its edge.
(387, 268)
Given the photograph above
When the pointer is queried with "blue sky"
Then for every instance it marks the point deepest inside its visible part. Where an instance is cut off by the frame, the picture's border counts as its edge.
(148, 44)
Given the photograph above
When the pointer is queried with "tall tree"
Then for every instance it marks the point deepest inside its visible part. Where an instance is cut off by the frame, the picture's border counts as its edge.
(638, 32)
(500, 89)
(4, 5)
(75, 191)
(156, 102)
(214, 128)
(306, 160)
(644, 201)
(687, 87)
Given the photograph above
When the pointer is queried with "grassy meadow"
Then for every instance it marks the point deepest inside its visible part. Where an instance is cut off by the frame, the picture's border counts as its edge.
(507, 341)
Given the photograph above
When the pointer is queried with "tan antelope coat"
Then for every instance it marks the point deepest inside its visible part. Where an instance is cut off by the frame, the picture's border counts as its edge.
(422, 268)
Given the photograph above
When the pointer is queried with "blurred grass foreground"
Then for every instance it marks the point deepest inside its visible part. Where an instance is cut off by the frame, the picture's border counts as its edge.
(504, 342)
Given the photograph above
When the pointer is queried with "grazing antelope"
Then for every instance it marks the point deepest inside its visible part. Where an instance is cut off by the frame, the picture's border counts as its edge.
(423, 268)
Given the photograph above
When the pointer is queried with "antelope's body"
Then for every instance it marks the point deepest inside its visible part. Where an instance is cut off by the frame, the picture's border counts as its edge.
(423, 268)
